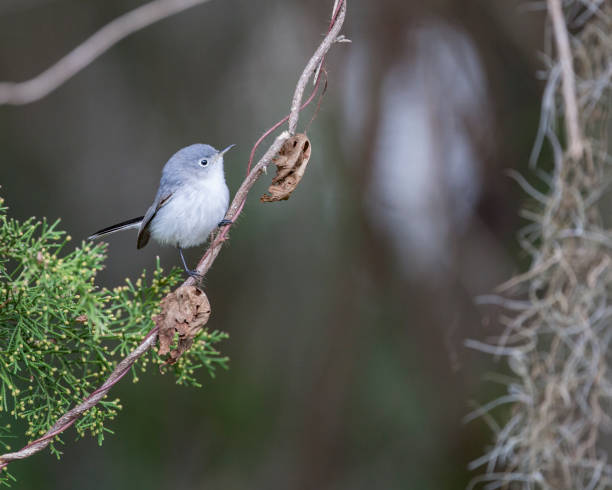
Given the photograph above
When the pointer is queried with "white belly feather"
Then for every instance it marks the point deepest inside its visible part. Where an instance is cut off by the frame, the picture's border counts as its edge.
(190, 215)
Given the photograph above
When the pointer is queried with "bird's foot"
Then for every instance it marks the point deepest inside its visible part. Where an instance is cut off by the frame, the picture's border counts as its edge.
(225, 222)
(190, 272)
(195, 274)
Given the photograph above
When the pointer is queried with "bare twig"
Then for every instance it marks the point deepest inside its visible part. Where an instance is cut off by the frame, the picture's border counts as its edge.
(313, 63)
(211, 253)
(572, 122)
(38, 87)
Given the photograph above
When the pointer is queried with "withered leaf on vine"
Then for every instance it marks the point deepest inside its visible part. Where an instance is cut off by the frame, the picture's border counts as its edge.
(184, 311)
(290, 162)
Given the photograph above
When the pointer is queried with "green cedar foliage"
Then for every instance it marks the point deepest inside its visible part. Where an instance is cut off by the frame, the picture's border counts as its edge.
(61, 335)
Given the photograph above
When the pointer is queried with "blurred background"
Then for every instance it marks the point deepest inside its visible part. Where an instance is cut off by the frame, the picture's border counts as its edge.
(348, 305)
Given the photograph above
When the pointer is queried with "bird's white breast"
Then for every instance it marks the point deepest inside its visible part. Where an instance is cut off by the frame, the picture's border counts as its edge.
(192, 212)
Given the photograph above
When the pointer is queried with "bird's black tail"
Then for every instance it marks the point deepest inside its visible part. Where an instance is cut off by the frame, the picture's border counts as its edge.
(125, 225)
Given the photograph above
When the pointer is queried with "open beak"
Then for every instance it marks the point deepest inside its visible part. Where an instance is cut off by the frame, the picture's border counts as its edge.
(227, 149)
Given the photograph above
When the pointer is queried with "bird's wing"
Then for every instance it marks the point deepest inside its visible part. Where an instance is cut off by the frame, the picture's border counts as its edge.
(143, 232)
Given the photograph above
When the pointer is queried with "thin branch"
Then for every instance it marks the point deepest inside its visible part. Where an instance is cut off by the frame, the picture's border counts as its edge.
(572, 122)
(313, 63)
(66, 420)
(36, 88)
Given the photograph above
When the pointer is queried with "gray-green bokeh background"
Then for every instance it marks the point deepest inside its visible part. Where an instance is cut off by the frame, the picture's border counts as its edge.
(347, 305)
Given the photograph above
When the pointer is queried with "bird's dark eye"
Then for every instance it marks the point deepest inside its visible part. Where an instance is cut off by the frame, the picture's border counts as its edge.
(203, 162)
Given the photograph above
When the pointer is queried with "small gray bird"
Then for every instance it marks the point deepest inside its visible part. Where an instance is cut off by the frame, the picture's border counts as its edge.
(191, 201)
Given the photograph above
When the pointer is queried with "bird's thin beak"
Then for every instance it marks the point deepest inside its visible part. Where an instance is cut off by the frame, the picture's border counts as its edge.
(227, 149)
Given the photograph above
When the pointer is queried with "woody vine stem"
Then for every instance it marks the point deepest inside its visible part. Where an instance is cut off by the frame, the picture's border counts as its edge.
(313, 68)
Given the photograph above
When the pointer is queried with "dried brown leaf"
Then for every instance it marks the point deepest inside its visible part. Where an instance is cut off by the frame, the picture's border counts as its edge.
(290, 162)
(184, 311)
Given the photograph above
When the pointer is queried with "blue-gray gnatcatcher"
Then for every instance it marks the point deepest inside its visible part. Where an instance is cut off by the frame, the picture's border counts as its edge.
(191, 201)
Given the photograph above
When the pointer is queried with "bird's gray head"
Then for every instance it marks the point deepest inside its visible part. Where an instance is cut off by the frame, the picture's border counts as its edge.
(197, 161)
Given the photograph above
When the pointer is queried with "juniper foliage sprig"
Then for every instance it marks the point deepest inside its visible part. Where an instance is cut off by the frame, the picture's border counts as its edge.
(61, 335)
